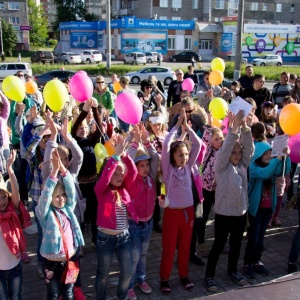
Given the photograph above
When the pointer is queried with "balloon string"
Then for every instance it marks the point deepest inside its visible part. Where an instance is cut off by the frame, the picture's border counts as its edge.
(103, 136)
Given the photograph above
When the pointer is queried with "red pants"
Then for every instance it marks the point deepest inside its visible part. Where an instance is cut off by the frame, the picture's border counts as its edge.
(177, 231)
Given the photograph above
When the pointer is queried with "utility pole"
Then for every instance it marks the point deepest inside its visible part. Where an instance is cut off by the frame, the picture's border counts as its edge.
(108, 36)
(1, 36)
(238, 49)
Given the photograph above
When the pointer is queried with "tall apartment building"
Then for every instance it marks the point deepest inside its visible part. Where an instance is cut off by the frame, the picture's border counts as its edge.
(15, 13)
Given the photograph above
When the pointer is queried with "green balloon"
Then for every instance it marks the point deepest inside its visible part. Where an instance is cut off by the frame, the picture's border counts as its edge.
(248, 40)
(289, 47)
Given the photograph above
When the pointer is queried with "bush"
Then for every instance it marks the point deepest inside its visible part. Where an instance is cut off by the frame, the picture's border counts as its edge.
(52, 42)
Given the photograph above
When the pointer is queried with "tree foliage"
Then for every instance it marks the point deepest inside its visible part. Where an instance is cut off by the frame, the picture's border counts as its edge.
(69, 10)
(38, 23)
(9, 37)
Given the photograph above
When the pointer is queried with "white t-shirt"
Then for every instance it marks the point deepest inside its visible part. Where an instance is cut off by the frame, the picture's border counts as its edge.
(7, 260)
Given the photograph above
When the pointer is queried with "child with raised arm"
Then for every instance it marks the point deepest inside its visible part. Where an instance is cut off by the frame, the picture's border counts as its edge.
(231, 201)
(55, 213)
(177, 163)
(143, 194)
(117, 173)
(13, 216)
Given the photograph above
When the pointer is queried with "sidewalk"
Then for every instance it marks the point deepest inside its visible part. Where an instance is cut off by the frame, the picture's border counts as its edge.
(277, 243)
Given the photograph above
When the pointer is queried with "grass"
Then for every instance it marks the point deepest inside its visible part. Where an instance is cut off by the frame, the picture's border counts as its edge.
(270, 73)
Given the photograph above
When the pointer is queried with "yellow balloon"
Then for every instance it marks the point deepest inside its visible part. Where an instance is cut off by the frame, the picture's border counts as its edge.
(218, 64)
(100, 151)
(216, 77)
(117, 87)
(218, 108)
(55, 95)
(14, 88)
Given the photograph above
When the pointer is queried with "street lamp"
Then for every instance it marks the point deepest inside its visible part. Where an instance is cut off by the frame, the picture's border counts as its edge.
(1, 36)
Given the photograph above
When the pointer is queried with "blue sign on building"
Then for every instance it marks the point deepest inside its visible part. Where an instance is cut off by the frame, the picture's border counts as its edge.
(83, 40)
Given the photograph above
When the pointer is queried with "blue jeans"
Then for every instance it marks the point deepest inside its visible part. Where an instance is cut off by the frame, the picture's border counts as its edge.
(106, 245)
(295, 249)
(11, 283)
(256, 233)
(54, 286)
(140, 236)
(40, 233)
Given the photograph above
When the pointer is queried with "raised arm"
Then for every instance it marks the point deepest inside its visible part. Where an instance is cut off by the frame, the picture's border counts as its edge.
(15, 195)
(6, 107)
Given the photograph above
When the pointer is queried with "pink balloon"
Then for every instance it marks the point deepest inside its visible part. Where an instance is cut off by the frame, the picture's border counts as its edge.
(188, 84)
(293, 139)
(225, 124)
(81, 86)
(295, 152)
(129, 108)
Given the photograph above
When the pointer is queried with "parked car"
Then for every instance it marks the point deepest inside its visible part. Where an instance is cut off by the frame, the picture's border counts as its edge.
(226, 82)
(135, 58)
(267, 60)
(7, 69)
(90, 56)
(244, 59)
(42, 57)
(185, 56)
(42, 79)
(151, 57)
(67, 58)
(165, 75)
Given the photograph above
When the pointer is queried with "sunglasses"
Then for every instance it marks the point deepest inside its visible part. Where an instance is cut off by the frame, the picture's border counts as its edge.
(100, 81)
(189, 111)
(20, 75)
(148, 87)
(46, 138)
(179, 74)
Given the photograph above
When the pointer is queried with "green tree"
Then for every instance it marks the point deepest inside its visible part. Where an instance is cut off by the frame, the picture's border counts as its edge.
(38, 23)
(9, 37)
(90, 17)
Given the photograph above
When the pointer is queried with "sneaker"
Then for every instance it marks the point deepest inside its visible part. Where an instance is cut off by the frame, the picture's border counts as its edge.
(144, 287)
(201, 250)
(131, 295)
(238, 278)
(248, 271)
(261, 269)
(210, 284)
(78, 294)
(164, 287)
(277, 221)
(197, 260)
(187, 284)
(292, 268)
(40, 270)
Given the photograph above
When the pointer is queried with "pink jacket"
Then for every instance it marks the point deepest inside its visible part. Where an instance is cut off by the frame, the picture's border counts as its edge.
(196, 172)
(106, 216)
(3, 120)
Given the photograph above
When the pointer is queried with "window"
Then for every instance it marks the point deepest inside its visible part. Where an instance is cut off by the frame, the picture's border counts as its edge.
(171, 43)
(163, 3)
(100, 40)
(14, 5)
(14, 20)
(220, 4)
(278, 7)
(163, 17)
(254, 6)
(205, 44)
(1, 5)
(11, 67)
(176, 18)
(195, 4)
(187, 43)
(233, 4)
(176, 3)
(292, 8)
(264, 7)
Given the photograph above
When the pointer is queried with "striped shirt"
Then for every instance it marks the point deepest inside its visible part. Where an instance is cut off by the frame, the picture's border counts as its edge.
(121, 217)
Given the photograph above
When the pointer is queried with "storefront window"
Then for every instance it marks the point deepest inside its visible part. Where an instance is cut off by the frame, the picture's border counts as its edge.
(205, 44)
(171, 43)
(187, 43)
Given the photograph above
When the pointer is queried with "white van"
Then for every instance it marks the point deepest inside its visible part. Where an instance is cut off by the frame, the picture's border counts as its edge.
(11, 68)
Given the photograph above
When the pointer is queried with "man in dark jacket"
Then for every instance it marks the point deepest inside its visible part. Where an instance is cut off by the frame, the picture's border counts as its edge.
(175, 89)
(247, 80)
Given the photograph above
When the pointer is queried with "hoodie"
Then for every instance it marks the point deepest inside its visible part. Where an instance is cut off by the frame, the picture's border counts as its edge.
(258, 174)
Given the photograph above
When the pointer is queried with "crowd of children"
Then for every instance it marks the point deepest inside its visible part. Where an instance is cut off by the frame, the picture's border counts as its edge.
(183, 172)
